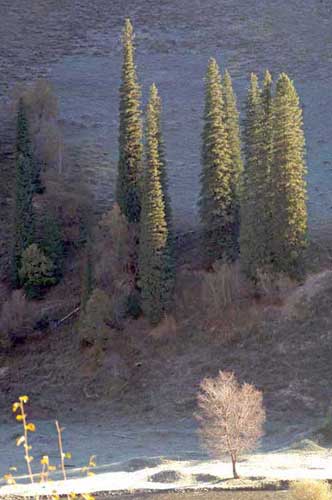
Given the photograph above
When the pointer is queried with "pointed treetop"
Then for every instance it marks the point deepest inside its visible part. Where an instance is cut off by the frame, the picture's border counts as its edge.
(254, 81)
(227, 78)
(154, 95)
(128, 30)
(267, 78)
(286, 86)
(213, 66)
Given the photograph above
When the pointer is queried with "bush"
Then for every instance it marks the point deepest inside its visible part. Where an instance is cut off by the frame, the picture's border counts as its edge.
(36, 271)
(93, 324)
(310, 490)
(166, 329)
(220, 287)
(17, 317)
(134, 309)
(115, 262)
(273, 286)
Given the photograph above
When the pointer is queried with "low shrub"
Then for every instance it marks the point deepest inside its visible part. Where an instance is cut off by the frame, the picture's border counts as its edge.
(17, 318)
(93, 325)
(166, 329)
(133, 308)
(310, 490)
(36, 272)
(273, 286)
(220, 287)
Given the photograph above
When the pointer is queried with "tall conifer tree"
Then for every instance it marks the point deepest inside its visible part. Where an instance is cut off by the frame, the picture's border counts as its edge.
(24, 230)
(23, 215)
(232, 125)
(155, 256)
(234, 139)
(218, 208)
(266, 189)
(288, 181)
(250, 233)
(156, 104)
(24, 145)
(130, 132)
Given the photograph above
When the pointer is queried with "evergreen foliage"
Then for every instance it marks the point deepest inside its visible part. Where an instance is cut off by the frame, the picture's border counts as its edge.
(155, 256)
(93, 324)
(218, 206)
(51, 243)
(265, 194)
(234, 139)
(288, 181)
(250, 234)
(157, 106)
(24, 228)
(36, 271)
(24, 145)
(130, 133)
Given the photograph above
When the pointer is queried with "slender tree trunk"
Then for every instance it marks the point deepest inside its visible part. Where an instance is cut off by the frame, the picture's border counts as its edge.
(235, 474)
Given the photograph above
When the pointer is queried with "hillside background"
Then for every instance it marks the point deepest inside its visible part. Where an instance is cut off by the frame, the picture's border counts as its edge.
(75, 44)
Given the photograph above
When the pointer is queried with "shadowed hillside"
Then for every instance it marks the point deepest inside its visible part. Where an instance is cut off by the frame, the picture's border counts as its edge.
(81, 56)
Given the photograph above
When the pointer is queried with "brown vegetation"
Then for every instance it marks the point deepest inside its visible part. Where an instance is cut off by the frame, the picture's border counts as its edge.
(17, 318)
(231, 416)
(310, 490)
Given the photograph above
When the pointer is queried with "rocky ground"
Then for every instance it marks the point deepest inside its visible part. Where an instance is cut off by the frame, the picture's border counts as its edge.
(76, 45)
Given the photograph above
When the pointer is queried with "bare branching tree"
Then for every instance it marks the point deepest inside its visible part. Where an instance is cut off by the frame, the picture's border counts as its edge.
(231, 416)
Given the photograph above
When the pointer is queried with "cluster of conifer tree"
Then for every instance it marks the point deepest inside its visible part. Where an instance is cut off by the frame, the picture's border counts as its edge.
(36, 259)
(251, 205)
(142, 186)
(254, 207)
(269, 190)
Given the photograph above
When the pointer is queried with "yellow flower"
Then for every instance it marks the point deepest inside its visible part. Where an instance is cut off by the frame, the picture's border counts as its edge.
(87, 496)
(9, 479)
(44, 460)
(24, 399)
(30, 427)
(15, 407)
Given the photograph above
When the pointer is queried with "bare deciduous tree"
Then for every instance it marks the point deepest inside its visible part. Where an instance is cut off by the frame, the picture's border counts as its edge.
(231, 416)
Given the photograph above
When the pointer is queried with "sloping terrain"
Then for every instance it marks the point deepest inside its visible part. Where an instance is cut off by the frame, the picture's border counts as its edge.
(76, 45)
(139, 397)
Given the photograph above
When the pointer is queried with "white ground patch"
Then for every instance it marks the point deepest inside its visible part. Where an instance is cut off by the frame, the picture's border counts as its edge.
(274, 466)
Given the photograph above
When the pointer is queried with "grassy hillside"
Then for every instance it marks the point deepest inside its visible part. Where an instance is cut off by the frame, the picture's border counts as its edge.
(77, 46)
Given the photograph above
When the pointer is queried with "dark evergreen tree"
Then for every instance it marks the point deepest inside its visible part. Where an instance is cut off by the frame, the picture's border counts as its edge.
(23, 217)
(51, 243)
(156, 104)
(218, 206)
(234, 139)
(130, 133)
(250, 233)
(232, 126)
(266, 189)
(24, 227)
(155, 256)
(288, 181)
(24, 145)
